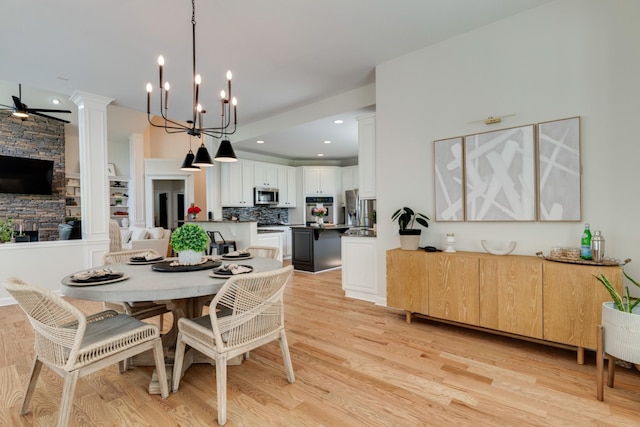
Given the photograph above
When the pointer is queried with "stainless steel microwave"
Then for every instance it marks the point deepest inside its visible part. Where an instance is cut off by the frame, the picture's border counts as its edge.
(265, 196)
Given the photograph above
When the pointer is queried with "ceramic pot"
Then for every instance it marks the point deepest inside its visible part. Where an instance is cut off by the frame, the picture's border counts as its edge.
(190, 257)
(409, 239)
(621, 332)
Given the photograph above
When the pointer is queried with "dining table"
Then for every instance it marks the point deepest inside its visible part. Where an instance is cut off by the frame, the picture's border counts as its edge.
(185, 293)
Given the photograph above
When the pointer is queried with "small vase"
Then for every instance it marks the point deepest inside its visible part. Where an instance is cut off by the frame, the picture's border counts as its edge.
(319, 220)
(193, 217)
(189, 257)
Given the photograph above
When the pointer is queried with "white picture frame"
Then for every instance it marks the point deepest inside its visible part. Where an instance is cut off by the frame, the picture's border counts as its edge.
(111, 169)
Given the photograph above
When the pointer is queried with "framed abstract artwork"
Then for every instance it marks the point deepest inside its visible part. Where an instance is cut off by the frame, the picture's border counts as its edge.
(559, 170)
(448, 178)
(500, 175)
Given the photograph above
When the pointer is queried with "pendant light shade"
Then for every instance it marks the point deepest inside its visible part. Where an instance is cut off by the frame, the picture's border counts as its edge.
(225, 152)
(187, 165)
(203, 159)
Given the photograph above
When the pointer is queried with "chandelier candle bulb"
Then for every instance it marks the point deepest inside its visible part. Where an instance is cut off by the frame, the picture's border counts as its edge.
(149, 89)
(167, 86)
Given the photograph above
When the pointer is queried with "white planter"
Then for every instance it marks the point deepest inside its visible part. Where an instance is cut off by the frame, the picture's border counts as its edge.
(409, 242)
(621, 332)
(190, 257)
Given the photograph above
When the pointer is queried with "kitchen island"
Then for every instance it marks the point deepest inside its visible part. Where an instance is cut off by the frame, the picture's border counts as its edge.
(316, 248)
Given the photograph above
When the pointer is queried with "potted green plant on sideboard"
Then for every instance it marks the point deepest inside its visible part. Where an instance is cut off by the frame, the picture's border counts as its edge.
(409, 236)
(189, 241)
(619, 331)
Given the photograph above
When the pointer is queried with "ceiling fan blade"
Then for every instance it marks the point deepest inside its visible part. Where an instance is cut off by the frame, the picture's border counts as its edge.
(46, 110)
(48, 117)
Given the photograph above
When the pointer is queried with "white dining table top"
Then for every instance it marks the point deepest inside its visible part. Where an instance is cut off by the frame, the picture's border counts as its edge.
(145, 284)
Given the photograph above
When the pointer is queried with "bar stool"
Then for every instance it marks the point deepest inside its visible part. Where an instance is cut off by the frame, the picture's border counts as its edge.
(223, 247)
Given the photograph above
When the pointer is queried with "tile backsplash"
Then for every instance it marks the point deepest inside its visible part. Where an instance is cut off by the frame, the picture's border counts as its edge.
(262, 214)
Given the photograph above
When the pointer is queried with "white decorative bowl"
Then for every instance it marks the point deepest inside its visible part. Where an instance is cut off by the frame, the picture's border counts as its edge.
(501, 250)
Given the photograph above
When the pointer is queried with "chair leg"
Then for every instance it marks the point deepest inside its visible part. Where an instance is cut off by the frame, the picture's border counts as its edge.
(178, 360)
(31, 386)
(68, 390)
(286, 356)
(221, 387)
(158, 355)
(599, 365)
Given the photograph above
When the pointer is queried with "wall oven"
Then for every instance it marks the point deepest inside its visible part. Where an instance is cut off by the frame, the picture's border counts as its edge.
(265, 196)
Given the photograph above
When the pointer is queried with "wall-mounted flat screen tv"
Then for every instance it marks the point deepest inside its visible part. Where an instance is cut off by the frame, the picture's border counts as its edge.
(22, 175)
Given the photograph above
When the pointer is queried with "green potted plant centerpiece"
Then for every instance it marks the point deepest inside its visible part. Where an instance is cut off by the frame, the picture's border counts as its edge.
(409, 236)
(620, 329)
(189, 241)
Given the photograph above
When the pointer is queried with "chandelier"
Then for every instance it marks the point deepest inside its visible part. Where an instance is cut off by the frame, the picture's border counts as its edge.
(195, 125)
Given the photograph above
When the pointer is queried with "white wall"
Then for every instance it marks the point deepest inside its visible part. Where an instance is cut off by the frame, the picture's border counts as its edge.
(563, 59)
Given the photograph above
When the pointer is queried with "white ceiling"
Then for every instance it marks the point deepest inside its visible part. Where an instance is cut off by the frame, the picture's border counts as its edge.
(284, 54)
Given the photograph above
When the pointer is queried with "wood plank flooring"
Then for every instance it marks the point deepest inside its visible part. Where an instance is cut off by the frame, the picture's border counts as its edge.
(356, 364)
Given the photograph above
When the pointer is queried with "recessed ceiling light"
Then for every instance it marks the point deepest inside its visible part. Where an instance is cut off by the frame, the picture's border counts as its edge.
(320, 155)
(338, 121)
(327, 142)
(55, 101)
(259, 141)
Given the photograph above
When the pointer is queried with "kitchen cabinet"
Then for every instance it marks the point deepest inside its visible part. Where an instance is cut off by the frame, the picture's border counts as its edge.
(350, 178)
(520, 296)
(236, 184)
(367, 156)
(287, 186)
(359, 272)
(320, 180)
(265, 175)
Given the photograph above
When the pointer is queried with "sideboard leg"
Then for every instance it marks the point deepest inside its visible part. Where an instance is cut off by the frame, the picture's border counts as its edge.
(407, 317)
(580, 355)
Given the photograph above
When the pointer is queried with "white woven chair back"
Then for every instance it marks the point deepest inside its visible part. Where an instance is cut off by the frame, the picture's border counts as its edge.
(264, 251)
(124, 256)
(255, 305)
(58, 325)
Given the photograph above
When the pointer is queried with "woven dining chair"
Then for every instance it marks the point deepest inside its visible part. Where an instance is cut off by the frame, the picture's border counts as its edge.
(73, 345)
(263, 251)
(250, 314)
(138, 309)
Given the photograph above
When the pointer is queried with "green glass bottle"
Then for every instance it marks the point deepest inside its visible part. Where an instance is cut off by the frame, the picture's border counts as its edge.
(585, 243)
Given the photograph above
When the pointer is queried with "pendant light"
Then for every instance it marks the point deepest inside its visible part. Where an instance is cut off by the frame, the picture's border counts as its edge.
(188, 165)
(203, 159)
(225, 152)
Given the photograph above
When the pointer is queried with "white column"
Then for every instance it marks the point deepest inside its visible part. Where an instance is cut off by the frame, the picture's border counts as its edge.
(137, 185)
(92, 130)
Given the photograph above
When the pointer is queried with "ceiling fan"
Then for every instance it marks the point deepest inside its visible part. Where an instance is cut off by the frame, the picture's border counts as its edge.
(22, 110)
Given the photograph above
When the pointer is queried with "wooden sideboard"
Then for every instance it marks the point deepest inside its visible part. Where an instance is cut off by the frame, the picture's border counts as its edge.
(521, 296)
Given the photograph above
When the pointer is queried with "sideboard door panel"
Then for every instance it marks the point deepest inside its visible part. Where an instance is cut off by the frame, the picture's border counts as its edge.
(511, 295)
(454, 287)
(573, 300)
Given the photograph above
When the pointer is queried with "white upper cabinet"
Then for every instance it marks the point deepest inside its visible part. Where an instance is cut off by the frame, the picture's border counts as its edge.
(287, 186)
(367, 156)
(265, 175)
(236, 182)
(320, 181)
(350, 178)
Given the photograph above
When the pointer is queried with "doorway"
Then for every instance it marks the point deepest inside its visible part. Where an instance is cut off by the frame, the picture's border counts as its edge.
(168, 202)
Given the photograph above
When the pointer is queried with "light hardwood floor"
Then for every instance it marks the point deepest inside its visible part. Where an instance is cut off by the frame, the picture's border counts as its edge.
(356, 364)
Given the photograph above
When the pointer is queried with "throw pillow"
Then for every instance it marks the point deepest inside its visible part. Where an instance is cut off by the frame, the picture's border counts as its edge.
(139, 234)
(156, 233)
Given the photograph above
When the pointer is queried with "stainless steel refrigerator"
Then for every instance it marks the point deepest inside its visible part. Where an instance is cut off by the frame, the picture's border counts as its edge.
(351, 208)
(357, 212)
